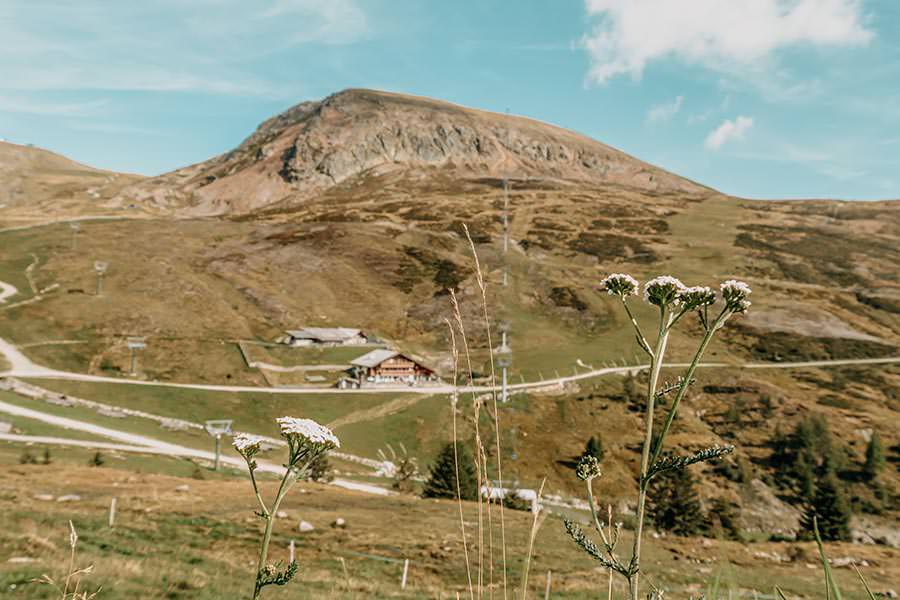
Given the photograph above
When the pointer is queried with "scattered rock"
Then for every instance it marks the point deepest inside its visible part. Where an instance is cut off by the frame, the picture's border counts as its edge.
(847, 561)
(183, 488)
(173, 424)
(69, 498)
(44, 497)
(339, 523)
(5, 427)
(111, 412)
(281, 514)
(20, 559)
(305, 527)
(60, 401)
(887, 594)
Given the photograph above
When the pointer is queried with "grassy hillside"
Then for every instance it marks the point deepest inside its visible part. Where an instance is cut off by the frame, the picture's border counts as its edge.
(200, 543)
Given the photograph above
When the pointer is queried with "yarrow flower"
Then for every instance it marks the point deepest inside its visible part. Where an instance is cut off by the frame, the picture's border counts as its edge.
(247, 445)
(620, 284)
(588, 468)
(663, 290)
(735, 294)
(294, 429)
(696, 297)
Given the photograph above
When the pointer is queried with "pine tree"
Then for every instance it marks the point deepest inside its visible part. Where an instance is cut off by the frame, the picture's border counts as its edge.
(874, 458)
(724, 512)
(830, 507)
(442, 478)
(673, 503)
(594, 447)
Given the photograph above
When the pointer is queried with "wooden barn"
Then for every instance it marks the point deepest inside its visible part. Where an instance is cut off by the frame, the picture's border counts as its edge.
(389, 366)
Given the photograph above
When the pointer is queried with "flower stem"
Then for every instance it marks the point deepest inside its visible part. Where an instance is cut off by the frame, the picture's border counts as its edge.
(685, 382)
(286, 482)
(655, 366)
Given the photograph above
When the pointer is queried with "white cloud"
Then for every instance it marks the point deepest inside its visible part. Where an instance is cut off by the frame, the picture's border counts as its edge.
(713, 33)
(663, 113)
(727, 131)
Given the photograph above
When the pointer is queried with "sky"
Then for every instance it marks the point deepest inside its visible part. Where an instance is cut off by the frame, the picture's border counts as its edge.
(757, 98)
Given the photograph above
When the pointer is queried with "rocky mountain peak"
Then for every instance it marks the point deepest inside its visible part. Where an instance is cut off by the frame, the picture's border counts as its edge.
(314, 146)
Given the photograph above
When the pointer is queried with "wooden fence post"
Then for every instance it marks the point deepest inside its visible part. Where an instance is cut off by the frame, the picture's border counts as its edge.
(112, 512)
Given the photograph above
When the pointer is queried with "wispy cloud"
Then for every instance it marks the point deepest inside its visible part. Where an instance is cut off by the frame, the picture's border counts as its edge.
(204, 46)
(728, 131)
(663, 113)
(631, 34)
(23, 104)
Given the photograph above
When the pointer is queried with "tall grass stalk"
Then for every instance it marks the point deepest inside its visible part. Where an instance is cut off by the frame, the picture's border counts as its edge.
(479, 447)
(454, 401)
(538, 517)
(487, 329)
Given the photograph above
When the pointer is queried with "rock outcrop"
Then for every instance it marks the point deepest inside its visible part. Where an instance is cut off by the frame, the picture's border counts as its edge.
(315, 146)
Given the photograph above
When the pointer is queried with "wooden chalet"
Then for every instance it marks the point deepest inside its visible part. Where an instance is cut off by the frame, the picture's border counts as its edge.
(389, 366)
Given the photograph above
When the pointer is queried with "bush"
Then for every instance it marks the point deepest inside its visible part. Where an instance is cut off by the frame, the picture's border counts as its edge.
(96, 460)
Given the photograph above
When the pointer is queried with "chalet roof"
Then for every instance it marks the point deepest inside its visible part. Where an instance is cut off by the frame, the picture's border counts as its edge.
(374, 358)
(324, 334)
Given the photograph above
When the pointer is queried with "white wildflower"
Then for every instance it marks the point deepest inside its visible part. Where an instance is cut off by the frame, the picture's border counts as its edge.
(696, 297)
(735, 294)
(663, 290)
(309, 430)
(246, 444)
(620, 284)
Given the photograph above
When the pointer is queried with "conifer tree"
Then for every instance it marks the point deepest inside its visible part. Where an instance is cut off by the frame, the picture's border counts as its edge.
(442, 478)
(594, 447)
(673, 503)
(723, 512)
(874, 458)
(830, 507)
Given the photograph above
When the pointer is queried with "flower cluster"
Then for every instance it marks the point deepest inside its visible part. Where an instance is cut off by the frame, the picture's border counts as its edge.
(246, 445)
(307, 431)
(663, 290)
(619, 284)
(588, 468)
(735, 294)
(696, 297)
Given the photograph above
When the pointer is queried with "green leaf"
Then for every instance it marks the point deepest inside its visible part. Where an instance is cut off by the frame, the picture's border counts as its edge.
(830, 584)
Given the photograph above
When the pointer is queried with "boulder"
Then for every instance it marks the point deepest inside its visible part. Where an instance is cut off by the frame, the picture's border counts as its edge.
(305, 527)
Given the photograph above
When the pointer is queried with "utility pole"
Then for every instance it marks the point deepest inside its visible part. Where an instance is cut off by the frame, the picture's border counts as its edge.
(100, 267)
(218, 428)
(504, 360)
(135, 344)
(76, 227)
(505, 232)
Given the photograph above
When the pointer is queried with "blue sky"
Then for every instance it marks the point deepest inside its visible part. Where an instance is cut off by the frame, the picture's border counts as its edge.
(758, 98)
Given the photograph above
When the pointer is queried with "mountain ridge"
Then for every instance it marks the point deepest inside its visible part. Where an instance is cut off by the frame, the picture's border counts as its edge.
(356, 133)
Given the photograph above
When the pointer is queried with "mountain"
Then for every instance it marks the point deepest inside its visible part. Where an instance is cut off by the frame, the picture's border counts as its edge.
(358, 134)
(38, 184)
